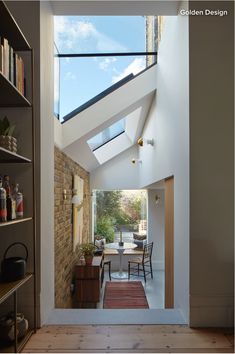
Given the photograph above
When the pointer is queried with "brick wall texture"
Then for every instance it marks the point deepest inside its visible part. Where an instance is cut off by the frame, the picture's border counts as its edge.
(65, 258)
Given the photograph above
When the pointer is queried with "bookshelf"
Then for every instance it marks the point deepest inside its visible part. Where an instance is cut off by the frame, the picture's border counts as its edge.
(21, 295)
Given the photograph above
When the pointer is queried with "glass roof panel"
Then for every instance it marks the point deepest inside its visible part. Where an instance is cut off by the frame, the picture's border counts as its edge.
(99, 34)
(107, 135)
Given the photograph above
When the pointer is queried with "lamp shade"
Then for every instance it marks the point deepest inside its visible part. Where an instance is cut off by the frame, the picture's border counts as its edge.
(76, 199)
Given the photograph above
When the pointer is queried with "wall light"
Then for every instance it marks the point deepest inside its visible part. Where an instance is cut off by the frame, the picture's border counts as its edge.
(157, 199)
(64, 194)
(134, 161)
(142, 141)
(75, 199)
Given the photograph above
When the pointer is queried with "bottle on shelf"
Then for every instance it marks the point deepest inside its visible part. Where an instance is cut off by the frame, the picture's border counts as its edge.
(11, 203)
(3, 202)
(18, 196)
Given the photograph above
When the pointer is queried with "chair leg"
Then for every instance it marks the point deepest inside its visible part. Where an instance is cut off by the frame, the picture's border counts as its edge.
(138, 269)
(129, 269)
(151, 269)
(144, 273)
(110, 271)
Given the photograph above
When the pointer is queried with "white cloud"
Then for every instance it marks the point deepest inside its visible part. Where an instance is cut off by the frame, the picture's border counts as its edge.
(69, 32)
(134, 67)
(106, 44)
(106, 62)
(69, 76)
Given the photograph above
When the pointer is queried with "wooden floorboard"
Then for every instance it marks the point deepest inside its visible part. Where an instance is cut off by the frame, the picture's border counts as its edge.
(130, 339)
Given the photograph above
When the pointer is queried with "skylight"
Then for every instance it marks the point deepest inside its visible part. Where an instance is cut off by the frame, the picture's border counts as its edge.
(82, 78)
(107, 135)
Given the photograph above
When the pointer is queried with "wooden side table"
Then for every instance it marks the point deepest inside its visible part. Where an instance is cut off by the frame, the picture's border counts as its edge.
(88, 283)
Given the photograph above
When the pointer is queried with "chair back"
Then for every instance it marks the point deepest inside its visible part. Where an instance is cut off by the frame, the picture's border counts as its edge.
(147, 254)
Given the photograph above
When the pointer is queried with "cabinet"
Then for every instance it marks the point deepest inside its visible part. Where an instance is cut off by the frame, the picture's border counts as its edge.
(88, 283)
(19, 296)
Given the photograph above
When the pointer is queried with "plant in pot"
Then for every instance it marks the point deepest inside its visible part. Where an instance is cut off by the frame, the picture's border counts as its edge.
(7, 141)
(87, 250)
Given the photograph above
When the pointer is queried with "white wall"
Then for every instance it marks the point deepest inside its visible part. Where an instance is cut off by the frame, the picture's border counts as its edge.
(58, 133)
(118, 173)
(156, 226)
(168, 125)
(211, 167)
(47, 160)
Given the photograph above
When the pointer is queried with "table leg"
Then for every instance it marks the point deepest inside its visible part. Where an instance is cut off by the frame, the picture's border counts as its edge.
(120, 263)
(120, 274)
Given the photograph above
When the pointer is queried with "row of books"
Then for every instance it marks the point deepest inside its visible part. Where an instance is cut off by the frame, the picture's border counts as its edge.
(12, 65)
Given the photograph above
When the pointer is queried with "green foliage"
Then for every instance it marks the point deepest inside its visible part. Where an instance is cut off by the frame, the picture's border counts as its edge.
(6, 128)
(118, 210)
(108, 203)
(87, 249)
(104, 227)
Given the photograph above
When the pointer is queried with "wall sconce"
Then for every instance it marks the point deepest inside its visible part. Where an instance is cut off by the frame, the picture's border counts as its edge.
(64, 194)
(75, 199)
(142, 141)
(157, 199)
(134, 161)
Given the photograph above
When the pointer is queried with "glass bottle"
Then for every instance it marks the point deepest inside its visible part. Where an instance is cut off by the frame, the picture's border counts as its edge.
(11, 204)
(3, 202)
(18, 196)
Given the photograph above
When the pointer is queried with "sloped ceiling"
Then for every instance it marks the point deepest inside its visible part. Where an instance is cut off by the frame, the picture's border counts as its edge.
(132, 101)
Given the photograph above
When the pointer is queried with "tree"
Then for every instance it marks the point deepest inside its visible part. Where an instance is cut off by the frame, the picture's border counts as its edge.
(108, 203)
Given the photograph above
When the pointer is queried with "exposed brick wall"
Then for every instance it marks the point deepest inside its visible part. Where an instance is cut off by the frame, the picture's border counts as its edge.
(65, 258)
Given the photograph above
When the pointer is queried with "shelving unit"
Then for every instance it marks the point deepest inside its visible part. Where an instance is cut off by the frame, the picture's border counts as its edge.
(10, 96)
(7, 289)
(19, 165)
(16, 221)
(7, 156)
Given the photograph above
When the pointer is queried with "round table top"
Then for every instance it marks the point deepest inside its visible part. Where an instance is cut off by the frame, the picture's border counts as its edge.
(126, 246)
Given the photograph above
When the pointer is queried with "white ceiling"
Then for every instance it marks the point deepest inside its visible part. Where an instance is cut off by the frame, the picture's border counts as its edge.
(132, 101)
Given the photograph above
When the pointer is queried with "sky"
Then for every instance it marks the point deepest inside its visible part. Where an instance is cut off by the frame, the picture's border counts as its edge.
(83, 78)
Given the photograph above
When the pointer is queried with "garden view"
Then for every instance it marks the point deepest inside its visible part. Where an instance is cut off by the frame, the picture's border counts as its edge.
(119, 211)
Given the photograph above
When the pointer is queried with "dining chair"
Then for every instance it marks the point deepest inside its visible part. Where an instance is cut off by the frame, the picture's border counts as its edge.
(137, 265)
(100, 250)
(108, 263)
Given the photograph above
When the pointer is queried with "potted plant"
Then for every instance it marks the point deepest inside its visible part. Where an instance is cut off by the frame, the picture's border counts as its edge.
(7, 141)
(87, 250)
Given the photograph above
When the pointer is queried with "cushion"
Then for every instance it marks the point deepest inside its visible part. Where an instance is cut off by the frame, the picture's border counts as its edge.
(139, 237)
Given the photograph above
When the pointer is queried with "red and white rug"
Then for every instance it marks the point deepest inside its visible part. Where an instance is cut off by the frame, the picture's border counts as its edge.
(124, 295)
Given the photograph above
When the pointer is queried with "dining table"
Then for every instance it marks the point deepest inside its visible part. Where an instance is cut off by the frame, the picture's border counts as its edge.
(120, 248)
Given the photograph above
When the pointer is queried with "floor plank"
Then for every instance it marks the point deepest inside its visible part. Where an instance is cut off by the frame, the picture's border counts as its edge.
(130, 339)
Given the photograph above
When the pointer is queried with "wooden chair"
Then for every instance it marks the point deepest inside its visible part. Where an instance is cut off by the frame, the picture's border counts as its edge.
(137, 265)
(108, 263)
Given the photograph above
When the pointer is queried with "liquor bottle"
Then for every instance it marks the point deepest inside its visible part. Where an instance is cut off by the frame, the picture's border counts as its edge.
(3, 202)
(18, 196)
(11, 204)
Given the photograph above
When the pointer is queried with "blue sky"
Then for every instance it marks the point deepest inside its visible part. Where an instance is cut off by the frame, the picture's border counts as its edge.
(83, 78)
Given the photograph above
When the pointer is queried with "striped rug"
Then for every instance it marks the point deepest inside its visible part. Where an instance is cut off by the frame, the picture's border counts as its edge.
(124, 295)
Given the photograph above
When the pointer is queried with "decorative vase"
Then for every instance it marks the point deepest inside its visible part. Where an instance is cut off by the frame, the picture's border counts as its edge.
(8, 143)
(88, 259)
